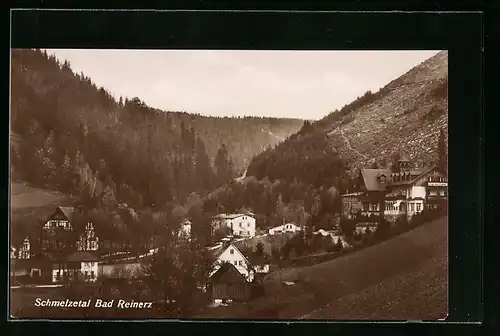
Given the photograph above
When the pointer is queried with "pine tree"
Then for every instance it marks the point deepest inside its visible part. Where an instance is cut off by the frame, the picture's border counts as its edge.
(223, 165)
(203, 169)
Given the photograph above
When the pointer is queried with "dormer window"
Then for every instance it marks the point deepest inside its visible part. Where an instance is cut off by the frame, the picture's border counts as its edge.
(382, 178)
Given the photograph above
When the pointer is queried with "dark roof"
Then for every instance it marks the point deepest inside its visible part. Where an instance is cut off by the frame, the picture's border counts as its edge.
(48, 256)
(18, 264)
(257, 260)
(371, 181)
(227, 273)
(82, 256)
(67, 212)
(232, 216)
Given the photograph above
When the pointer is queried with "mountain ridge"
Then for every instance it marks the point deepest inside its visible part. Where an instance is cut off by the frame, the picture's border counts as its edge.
(404, 117)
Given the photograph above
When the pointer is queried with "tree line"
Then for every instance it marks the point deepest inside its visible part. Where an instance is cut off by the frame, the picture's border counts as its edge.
(79, 139)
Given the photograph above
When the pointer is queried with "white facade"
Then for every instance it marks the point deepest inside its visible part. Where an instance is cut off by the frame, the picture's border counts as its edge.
(24, 251)
(55, 223)
(241, 224)
(88, 271)
(411, 202)
(233, 256)
(262, 268)
(88, 241)
(289, 227)
(418, 191)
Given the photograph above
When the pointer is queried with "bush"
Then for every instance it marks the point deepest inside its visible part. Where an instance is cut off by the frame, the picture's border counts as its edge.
(348, 226)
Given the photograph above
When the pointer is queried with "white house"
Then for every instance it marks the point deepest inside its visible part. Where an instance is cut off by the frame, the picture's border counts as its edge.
(80, 265)
(241, 224)
(289, 227)
(230, 254)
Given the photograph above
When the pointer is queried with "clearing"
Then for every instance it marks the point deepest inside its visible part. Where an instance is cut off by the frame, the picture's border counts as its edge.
(29, 204)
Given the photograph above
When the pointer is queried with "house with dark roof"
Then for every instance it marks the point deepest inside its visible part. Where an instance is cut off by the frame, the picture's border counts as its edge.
(250, 265)
(63, 254)
(227, 284)
(401, 191)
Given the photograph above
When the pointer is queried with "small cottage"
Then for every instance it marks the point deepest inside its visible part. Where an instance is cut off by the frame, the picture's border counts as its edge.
(228, 285)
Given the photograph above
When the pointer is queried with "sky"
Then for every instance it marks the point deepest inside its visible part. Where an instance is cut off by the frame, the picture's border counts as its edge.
(293, 84)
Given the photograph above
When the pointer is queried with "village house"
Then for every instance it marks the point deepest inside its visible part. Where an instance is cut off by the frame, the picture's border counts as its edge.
(403, 191)
(289, 227)
(250, 267)
(228, 284)
(20, 259)
(228, 253)
(64, 254)
(242, 224)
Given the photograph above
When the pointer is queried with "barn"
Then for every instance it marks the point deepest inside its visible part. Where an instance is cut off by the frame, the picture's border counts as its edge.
(228, 285)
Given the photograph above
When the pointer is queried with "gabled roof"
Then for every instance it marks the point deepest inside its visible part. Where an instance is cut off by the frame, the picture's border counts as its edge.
(227, 273)
(67, 212)
(218, 252)
(370, 178)
(257, 260)
(422, 173)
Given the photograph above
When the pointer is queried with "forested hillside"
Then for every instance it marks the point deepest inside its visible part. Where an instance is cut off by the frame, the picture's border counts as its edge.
(76, 138)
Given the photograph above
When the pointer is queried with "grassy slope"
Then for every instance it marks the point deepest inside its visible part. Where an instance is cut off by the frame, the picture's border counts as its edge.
(29, 203)
(402, 278)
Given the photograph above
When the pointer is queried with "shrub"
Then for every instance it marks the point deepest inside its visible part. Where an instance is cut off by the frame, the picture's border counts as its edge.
(348, 226)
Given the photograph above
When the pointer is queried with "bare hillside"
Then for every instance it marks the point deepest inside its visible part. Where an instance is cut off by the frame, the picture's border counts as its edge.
(406, 118)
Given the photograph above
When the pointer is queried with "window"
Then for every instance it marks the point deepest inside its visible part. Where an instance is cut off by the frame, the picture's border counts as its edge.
(58, 275)
(86, 274)
(236, 263)
(412, 206)
(248, 224)
(231, 251)
(240, 263)
(432, 193)
(441, 192)
(92, 274)
(418, 207)
(365, 207)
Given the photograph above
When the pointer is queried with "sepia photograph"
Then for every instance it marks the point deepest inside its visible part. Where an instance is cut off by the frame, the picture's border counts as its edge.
(228, 184)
